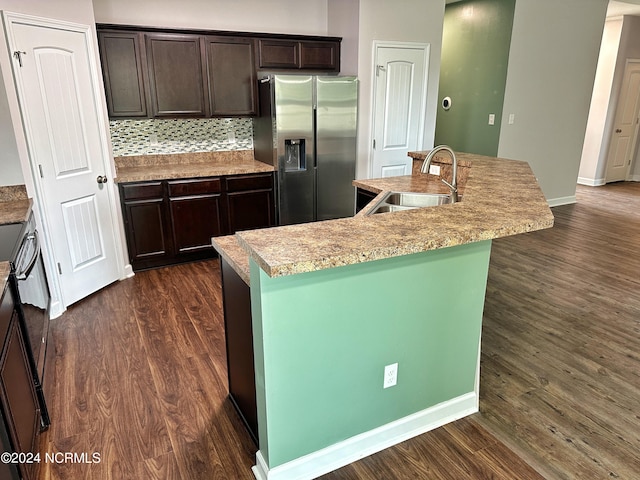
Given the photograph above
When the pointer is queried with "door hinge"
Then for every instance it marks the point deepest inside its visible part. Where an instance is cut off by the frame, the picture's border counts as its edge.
(40, 169)
(18, 56)
(59, 268)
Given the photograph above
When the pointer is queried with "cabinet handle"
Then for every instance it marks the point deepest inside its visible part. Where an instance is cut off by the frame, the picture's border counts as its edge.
(102, 179)
(618, 130)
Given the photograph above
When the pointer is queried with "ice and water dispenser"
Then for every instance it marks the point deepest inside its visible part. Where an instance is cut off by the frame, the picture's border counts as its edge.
(294, 154)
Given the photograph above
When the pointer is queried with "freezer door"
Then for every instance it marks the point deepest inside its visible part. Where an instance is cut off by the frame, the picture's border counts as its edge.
(295, 146)
(336, 114)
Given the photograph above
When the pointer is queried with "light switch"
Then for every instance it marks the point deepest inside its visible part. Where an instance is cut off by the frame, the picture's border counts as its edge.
(512, 118)
(492, 119)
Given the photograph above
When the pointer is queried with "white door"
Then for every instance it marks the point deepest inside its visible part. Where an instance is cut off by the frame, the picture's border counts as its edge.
(400, 86)
(52, 67)
(623, 140)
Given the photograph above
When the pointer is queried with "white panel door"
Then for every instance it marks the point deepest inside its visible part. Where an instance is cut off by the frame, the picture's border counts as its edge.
(400, 96)
(61, 115)
(623, 140)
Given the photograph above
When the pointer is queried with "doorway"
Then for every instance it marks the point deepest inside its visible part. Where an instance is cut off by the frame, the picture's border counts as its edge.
(55, 73)
(622, 147)
(400, 89)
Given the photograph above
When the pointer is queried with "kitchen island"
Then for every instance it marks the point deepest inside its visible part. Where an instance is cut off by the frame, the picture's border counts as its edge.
(333, 303)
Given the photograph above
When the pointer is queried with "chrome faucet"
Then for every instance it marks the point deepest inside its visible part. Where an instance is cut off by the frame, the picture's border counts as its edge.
(453, 186)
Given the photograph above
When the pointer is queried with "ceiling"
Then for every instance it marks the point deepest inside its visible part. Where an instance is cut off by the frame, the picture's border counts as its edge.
(626, 7)
(616, 8)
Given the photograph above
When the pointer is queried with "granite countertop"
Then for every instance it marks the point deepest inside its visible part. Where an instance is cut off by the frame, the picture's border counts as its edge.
(229, 248)
(501, 198)
(15, 206)
(187, 165)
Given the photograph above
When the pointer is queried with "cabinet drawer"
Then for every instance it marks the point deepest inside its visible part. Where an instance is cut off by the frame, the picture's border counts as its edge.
(250, 182)
(179, 188)
(137, 191)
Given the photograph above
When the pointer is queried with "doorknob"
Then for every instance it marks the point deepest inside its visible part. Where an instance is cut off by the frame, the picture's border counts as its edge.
(101, 179)
(618, 130)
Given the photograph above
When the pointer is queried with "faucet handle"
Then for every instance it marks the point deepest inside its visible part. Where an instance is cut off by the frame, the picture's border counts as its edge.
(451, 187)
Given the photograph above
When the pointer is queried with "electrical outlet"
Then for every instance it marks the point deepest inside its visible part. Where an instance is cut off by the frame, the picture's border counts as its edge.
(153, 139)
(390, 375)
(492, 119)
(434, 169)
(231, 136)
(512, 118)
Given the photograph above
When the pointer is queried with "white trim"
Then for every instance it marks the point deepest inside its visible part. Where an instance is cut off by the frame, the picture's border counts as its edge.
(591, 182)
(426, 50)
(556, 202)
(629, 62)
(9, 19)
(348, 451)
(635, 178)
(128, 271)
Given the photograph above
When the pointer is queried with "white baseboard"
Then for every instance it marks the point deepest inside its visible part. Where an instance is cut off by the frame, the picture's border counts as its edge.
(591, 182)
(128, 271)
(348, 451)
(55, 309)
(635, 178)
(556, 202)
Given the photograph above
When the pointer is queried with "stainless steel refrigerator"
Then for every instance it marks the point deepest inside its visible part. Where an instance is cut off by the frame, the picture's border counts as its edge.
(307, 130)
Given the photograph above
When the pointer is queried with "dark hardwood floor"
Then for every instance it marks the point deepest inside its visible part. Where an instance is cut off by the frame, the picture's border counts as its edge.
(141, 369)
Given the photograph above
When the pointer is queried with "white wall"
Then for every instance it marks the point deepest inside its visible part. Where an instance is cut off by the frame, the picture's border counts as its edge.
(404, 21)
(10, 168)
(593, 160)
(343, 20)
(552, 65)
(272, 16)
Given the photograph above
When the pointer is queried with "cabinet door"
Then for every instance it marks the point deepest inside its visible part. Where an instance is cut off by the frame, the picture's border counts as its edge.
(17, 393)
(144, 211)
(232, 76)
(250, 202)
(194, 220)
(122, 69)
(176, 75)
(278, 54)
(323, 56)
(249, 210)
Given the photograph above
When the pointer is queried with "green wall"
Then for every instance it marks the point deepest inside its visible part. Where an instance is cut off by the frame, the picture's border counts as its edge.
(473, 72)
(322, 340)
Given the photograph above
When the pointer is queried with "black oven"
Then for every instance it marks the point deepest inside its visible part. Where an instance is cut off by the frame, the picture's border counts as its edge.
(20, 245)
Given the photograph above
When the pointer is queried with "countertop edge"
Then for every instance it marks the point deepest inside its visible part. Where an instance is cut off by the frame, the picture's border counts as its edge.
(502, 198)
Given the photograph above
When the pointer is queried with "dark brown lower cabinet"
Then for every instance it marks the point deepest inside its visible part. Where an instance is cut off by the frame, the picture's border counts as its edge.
(239, 337)
(172, 221)
(18, 400)
(363, 197)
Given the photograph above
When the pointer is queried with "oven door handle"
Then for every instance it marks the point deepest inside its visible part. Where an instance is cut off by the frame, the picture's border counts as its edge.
(23, 273)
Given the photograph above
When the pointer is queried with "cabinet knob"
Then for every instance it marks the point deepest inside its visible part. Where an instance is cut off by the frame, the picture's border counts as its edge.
(102, 179)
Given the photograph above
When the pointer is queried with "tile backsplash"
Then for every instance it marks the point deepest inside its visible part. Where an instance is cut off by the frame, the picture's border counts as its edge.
(153, 136)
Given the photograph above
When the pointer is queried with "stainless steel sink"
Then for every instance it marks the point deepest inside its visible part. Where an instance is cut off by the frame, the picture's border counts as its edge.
(398, 201)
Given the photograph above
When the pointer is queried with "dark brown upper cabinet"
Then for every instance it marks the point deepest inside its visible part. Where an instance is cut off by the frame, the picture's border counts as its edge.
(232, 76)
(176, 75)
(320, 56)
(153, 72)
(278, 54)
(299, 54)
(122, 66)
